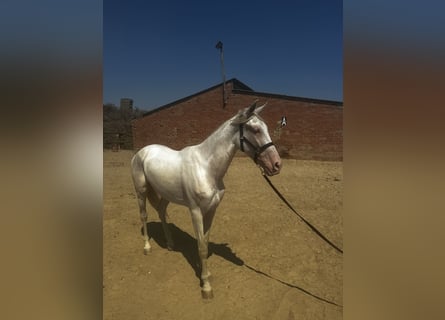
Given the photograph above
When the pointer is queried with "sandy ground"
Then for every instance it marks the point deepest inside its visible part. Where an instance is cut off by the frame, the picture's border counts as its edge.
(265, 262)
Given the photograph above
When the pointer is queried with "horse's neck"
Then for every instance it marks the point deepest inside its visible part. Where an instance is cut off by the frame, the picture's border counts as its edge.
(219, 148)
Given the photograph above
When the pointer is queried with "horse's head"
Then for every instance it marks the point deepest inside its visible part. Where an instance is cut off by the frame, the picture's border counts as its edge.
(254, 139)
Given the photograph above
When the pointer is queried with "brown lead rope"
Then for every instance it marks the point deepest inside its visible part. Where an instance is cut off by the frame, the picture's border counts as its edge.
(304, 220)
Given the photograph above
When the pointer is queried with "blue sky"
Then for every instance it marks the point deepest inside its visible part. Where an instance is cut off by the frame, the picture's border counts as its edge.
(158, 52)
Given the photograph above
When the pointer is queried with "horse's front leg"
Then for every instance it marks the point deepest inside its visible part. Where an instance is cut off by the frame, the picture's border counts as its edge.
(198, 226)
(207, 220)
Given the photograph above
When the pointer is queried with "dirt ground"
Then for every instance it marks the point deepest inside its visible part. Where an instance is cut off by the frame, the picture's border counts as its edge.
(265, 262)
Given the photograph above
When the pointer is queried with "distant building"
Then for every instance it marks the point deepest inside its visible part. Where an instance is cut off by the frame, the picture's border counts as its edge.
(313, 130)
(126, 104)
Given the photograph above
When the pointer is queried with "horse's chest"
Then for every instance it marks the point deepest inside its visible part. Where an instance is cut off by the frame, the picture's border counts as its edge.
(208, 195)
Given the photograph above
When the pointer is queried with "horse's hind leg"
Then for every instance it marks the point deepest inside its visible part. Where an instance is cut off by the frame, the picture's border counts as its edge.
(162, 212)
(141, 187)
(143, 216)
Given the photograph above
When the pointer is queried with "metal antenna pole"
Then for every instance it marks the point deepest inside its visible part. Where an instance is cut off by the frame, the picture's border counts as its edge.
(219, 46)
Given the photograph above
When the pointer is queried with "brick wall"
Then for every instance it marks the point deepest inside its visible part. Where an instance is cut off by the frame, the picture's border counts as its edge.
(314, 129)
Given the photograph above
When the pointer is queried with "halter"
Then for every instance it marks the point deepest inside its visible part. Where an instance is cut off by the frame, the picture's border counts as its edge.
(243, 139)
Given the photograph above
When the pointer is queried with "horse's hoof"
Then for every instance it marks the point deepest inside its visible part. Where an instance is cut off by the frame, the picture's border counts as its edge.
(170, 247)
(207, 294)
(147, 250)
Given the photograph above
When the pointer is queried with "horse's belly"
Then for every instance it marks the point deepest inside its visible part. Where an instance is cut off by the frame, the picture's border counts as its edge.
(167, 188)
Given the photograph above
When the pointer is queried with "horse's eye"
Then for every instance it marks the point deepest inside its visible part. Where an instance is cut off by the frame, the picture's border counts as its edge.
(255, 130)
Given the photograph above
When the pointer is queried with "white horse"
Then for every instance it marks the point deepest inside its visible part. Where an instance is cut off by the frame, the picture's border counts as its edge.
(193, 176)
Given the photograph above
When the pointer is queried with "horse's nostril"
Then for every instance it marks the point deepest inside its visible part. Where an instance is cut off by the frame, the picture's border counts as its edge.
(277, 165)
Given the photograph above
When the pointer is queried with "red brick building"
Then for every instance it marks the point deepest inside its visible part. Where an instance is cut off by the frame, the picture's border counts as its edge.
(314, 127)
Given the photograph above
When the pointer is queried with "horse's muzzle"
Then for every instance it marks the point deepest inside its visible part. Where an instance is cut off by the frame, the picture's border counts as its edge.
(276, 168)
(270, 162)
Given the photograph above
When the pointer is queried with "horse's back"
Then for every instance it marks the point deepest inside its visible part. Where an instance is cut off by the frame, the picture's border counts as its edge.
(156, 154)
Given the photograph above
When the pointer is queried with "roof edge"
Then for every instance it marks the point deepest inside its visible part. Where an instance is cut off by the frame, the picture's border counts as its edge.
(236, 84)
(286, 97)
(242, 88)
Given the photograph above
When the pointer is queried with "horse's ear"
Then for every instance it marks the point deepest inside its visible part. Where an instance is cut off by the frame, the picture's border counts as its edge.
(259, 109)
(250, 110)
(245, 114)
(253, 109)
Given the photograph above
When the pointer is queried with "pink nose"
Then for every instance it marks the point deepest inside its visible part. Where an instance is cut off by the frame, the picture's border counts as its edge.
(277, 166)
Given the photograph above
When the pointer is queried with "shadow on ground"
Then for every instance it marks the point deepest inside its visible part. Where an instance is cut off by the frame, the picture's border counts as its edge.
(187, 246)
